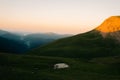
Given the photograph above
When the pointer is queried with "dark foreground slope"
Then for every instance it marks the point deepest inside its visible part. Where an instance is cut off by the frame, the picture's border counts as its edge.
(21, 67)
(87, 45)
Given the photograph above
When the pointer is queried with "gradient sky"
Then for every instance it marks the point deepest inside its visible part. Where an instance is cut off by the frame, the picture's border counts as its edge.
(59, 16)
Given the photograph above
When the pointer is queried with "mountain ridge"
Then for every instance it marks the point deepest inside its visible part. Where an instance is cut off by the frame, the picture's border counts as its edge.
(87, 45)
(18, 43)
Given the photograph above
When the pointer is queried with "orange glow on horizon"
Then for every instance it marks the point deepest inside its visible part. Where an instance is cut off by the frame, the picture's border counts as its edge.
(59, 16)
(41, 26)
(38, 29)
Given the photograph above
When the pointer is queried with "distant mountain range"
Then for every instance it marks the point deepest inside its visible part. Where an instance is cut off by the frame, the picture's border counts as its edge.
(20, 43)
(100, 42)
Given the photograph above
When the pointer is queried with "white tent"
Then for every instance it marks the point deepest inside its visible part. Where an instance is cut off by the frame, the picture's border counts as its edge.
(61, 66)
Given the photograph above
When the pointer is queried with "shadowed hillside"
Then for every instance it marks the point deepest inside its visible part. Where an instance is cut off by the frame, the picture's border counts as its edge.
(12, 46)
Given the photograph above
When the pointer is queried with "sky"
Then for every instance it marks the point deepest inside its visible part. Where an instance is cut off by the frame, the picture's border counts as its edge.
(58, 16)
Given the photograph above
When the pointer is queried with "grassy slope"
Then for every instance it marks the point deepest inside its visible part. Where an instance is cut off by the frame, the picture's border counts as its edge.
(88, 45)
(21, 67)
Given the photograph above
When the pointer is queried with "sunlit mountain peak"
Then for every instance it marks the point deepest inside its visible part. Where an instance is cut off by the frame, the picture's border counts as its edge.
(111, 24)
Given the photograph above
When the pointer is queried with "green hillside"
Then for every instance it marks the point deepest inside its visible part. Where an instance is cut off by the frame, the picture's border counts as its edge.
(87, 45)
(21, 67)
